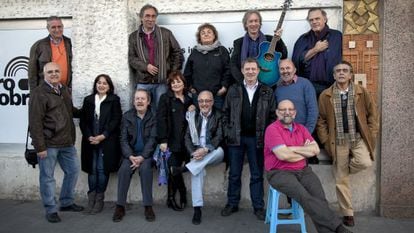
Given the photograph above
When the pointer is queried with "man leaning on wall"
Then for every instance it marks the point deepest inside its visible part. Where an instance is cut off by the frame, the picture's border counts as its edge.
(54, 48)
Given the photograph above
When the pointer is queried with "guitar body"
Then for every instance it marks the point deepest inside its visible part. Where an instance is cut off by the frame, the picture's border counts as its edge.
(269, 65)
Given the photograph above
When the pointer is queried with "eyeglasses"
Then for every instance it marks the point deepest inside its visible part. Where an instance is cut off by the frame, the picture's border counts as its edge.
(286, 110)
(344, 70)
(204, 101)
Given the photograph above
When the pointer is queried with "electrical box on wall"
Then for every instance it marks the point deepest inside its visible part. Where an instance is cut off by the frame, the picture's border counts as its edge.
(361, 79)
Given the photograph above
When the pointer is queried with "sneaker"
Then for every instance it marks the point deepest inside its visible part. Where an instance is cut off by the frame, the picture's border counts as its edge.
(119, 213)
(228, 210)
(53, 218)
(260, 214)
(197, 216)
(348, 221)
(73, 208)
(149, 214)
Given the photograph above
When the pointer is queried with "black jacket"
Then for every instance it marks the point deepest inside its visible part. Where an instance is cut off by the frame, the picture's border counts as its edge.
(214, 132)
(171, 122)
(235, 60)
(129, 133)
(209, 71)
(109, 125)
(232, 109)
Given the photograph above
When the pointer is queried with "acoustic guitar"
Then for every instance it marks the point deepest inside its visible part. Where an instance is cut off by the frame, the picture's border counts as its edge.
(268, 58)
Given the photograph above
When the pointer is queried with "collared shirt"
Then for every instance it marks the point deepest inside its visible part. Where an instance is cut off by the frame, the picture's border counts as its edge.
(251, 90)
(203, 131)
(277, 135)
(56, 89)
(253, 47)
(294, 80)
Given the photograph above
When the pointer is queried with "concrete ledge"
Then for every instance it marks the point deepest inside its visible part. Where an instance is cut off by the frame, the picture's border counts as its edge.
(20, 182)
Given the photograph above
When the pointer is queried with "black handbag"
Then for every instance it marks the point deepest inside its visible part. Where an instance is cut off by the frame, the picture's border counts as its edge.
(30, 154)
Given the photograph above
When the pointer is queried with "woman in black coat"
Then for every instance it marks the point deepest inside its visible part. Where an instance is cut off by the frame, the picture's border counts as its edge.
(208, 66)
(172, 125)
(100, 152)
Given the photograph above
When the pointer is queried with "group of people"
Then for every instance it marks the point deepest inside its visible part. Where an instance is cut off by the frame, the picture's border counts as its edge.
(216, 108)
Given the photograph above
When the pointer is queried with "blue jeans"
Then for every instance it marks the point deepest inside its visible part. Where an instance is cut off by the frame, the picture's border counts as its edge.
(255, 159)
(69, 162)
(156, 91)
(98, 180)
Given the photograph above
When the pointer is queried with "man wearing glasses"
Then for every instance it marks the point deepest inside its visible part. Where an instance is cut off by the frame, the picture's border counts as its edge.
(248, 109)
(287, 146)
(347, 127)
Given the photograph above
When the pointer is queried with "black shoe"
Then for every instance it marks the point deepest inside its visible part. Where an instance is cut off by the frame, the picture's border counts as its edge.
(73, 208)
(342, 229)
(119, 213)
(149, 214)
(260, 214)
(228, 210)
(171, 203)
(53, 218)
(197, 215)
(348, 221)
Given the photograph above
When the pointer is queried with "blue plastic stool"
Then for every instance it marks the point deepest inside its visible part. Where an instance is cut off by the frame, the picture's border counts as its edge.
(298, 216)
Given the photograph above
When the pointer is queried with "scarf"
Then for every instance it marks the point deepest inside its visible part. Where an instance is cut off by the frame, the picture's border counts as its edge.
(317, 63)
(190, 117)
(204, 49)
(160, 60)
(98, 105)
(350, 111)
(245, 45)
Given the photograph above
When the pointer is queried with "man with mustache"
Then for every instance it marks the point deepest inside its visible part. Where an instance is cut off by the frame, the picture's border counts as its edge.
(138, 142)
(300, 91)
(347, 127)
(287, 145)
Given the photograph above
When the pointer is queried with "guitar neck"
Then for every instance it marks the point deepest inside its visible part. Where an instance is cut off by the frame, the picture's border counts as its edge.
(279, 25)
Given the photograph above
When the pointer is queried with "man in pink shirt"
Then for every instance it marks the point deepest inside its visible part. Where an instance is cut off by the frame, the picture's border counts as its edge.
(287, 145)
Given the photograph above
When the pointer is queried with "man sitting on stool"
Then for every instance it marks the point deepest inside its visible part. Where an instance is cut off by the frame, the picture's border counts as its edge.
(287, 145)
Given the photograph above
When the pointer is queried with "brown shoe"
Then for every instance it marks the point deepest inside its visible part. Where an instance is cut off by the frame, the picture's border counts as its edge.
(348, 221)
(149, 214)
(119, 213)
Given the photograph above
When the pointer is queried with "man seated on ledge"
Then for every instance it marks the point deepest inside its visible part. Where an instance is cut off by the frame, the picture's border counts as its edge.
(287, 145)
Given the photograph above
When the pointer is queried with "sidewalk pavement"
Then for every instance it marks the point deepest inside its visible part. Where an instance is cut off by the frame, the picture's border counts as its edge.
(28, 217)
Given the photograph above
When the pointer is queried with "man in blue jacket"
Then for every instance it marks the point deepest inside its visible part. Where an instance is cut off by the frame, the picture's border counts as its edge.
(317, 52)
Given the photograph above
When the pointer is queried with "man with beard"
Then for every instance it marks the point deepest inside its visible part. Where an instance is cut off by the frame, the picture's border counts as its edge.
(287, 145)
(316, 52)
(138, 142)
(300, 91)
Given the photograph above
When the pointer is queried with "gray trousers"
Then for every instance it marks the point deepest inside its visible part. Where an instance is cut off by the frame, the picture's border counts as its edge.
(124, 180)
(305, 187)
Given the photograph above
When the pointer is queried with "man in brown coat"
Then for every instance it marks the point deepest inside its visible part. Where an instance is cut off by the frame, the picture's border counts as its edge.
(347, 127)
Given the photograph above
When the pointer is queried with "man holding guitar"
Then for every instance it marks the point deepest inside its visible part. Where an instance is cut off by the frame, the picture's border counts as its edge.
(248, 45)
(317, 52)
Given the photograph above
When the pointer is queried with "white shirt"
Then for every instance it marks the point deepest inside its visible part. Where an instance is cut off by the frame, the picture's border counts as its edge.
(203, 131)
(250, 90)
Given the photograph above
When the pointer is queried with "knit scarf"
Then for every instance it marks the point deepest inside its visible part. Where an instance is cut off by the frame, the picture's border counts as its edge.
(204, 49)
(317, 63)
(350, 111)
(245, 45)
(160, 60)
